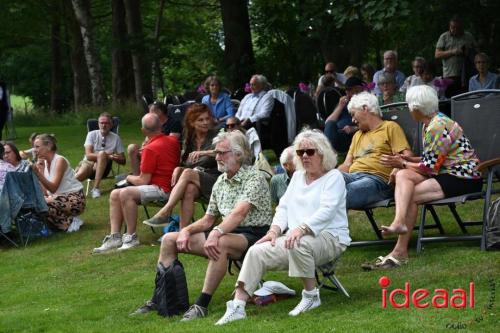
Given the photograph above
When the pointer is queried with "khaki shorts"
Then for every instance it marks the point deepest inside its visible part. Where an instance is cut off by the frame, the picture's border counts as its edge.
(150, 193)
(93, 165)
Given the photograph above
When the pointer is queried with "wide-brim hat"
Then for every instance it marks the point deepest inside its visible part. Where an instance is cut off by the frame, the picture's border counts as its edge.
(274, 287)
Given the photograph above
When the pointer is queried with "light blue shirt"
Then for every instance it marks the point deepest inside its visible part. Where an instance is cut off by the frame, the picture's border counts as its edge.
(222, 109)
(398, 76)
(475, 84)
(255, 106)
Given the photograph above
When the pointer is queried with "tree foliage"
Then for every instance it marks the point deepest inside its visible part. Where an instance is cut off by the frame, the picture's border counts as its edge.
(291, 40)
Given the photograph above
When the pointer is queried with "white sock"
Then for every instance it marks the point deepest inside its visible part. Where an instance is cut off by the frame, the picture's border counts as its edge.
(238, 302)
(311, 293)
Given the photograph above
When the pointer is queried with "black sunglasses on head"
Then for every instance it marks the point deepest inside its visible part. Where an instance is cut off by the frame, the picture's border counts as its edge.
(309, 152)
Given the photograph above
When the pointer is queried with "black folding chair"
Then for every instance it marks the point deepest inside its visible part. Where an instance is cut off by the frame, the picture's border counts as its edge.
(478, 113)
(305, 109)
(326, 102)
(328, 279)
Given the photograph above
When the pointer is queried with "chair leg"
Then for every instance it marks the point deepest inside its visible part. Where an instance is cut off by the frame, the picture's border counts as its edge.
(421, 229)
(338, 284)
(87, 189)
(453, 210)
(369, 214)
(437, 220)
(487, 200)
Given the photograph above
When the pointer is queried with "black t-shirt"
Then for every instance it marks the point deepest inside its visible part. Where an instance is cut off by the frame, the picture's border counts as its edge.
(172, 126)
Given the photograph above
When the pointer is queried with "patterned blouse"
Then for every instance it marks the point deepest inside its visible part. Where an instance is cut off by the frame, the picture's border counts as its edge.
(447, 150)
(247, 185)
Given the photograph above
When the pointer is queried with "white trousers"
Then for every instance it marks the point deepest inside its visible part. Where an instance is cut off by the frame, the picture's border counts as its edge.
(301, 261)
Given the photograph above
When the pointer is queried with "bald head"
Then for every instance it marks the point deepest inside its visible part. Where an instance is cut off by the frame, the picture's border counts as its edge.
(151, 124)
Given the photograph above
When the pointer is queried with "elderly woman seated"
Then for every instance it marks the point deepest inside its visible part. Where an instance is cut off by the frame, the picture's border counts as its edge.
(446, 168)
(309, 228)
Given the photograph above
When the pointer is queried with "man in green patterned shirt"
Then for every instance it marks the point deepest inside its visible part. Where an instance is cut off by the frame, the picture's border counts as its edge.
(241, 198)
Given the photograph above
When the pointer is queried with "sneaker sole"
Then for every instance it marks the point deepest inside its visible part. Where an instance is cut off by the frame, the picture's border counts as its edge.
(155, 224)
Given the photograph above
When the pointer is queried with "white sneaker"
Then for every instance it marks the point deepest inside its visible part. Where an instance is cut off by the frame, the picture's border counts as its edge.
(233, 312)
(75, 225)
(308, 302)
(95, 193)
(109, 243)
(129, 241)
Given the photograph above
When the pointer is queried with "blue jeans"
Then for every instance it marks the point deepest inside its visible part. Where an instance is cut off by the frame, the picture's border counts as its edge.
(364, 189)
(21, 190)
(339, 140)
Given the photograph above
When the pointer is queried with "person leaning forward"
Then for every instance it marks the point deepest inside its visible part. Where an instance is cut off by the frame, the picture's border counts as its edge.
(240, 197)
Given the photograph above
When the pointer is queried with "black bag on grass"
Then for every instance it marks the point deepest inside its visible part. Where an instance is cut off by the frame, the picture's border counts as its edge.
(493, 231)
(171, 292)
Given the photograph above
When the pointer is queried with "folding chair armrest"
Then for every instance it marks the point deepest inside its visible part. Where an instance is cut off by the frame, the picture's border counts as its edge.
(489, 163)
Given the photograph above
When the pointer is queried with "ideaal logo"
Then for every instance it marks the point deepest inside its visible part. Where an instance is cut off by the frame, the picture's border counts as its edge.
(421, 298)
(459, 298)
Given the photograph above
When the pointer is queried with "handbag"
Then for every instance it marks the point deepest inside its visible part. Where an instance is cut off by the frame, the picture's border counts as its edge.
(263, 165)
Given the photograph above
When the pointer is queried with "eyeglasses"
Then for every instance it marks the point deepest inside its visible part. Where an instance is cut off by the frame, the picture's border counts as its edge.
(231, 125)
(221, 152)
(309, 152)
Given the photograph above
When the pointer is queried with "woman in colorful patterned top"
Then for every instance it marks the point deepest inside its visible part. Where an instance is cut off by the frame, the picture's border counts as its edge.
(446, 168)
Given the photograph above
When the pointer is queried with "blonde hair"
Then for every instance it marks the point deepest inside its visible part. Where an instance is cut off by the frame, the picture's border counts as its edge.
(321, 143)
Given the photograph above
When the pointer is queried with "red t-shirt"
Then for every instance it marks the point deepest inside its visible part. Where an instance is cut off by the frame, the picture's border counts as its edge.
(159, 157)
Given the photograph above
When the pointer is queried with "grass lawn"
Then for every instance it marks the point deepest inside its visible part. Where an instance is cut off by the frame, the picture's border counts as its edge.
(56, 285)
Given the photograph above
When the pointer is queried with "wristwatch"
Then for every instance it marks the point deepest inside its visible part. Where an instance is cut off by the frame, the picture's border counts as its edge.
(219, 229)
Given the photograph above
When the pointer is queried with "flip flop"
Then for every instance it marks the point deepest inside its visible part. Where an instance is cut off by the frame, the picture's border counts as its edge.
(387, 262)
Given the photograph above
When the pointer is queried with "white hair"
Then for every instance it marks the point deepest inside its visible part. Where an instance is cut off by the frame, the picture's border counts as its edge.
(422, 98)
(365, 99)
(286, 155)
(391, 52)
(321, 143)
(261, 79)
(239, 145)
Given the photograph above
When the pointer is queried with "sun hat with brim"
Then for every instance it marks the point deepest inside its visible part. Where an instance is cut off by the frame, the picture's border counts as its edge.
(274, 287)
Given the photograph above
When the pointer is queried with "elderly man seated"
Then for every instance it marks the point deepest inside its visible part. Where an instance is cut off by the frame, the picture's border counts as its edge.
(102, 147)
(309, 228)
(256, 105)
(390, 66)
(365, 176)
(240, 197)
(279, 182)
(160, 156)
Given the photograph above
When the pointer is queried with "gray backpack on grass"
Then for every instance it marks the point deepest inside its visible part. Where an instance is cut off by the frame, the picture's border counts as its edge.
(493, 228)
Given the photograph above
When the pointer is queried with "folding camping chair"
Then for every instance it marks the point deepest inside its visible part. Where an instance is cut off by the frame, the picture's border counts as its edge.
(478, 113)
(328, 279)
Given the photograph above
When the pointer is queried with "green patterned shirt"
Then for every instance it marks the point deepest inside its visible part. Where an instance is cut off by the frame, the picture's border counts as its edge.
(247, 185)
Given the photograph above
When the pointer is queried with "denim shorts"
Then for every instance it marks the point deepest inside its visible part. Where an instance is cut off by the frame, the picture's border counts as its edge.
(364, 189)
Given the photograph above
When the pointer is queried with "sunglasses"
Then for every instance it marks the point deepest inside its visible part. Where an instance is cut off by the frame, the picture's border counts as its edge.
(231, 125)
(103, 144)
(309, 152)
(221, 152)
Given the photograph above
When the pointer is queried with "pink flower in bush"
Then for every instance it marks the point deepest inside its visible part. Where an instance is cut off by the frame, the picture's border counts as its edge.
(304, 87)
(201, 89)
(248, 89)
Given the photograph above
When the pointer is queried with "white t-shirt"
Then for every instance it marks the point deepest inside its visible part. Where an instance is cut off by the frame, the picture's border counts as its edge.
(321, 205)
(110, 143)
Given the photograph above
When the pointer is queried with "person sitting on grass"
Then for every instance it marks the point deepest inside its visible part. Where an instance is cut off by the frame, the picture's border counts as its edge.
(102, 148)
(63, 192)
(29, 153)
(309, 228)
(447, 168)
(240, 198)
(159, 158)
(12, 156)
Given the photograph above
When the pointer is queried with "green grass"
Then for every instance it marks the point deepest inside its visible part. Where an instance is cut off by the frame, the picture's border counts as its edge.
(56, 285)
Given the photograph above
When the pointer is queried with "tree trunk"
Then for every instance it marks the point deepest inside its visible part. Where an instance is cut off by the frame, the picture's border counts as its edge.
(81, 82)
(121, 57)
(56, 75)
(238, 53)
(157, 76)
(134, 28)
(84, 18)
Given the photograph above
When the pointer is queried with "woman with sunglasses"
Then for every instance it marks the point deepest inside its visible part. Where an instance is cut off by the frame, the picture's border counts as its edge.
(233, 124)
(198, 171)
(63, 192)
(218, 101)
(309, 228)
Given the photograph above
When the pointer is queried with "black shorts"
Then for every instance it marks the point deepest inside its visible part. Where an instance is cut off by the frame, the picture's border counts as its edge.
(453, 186)
(252, 234)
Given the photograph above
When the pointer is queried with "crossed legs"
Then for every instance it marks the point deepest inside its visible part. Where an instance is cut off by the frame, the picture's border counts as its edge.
(186, 189)
(412, 189)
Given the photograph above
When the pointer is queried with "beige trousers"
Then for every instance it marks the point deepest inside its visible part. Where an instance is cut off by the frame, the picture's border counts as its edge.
(301, 261)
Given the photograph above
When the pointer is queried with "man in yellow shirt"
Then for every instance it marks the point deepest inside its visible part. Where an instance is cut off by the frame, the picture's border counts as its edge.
(367, 180)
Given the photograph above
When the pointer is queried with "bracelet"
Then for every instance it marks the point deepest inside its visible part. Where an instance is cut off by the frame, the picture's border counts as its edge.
(219, 229)
(304, 228)
(273, 231)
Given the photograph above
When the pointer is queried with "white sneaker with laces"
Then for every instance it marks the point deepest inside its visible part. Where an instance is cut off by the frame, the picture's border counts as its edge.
(310, 300)
(95, 193)
(109, 243)
(75, 225)
(235, 311)
(129, 241)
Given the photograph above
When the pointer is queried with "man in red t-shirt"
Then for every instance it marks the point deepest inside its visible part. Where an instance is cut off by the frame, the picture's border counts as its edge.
(159, 158)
